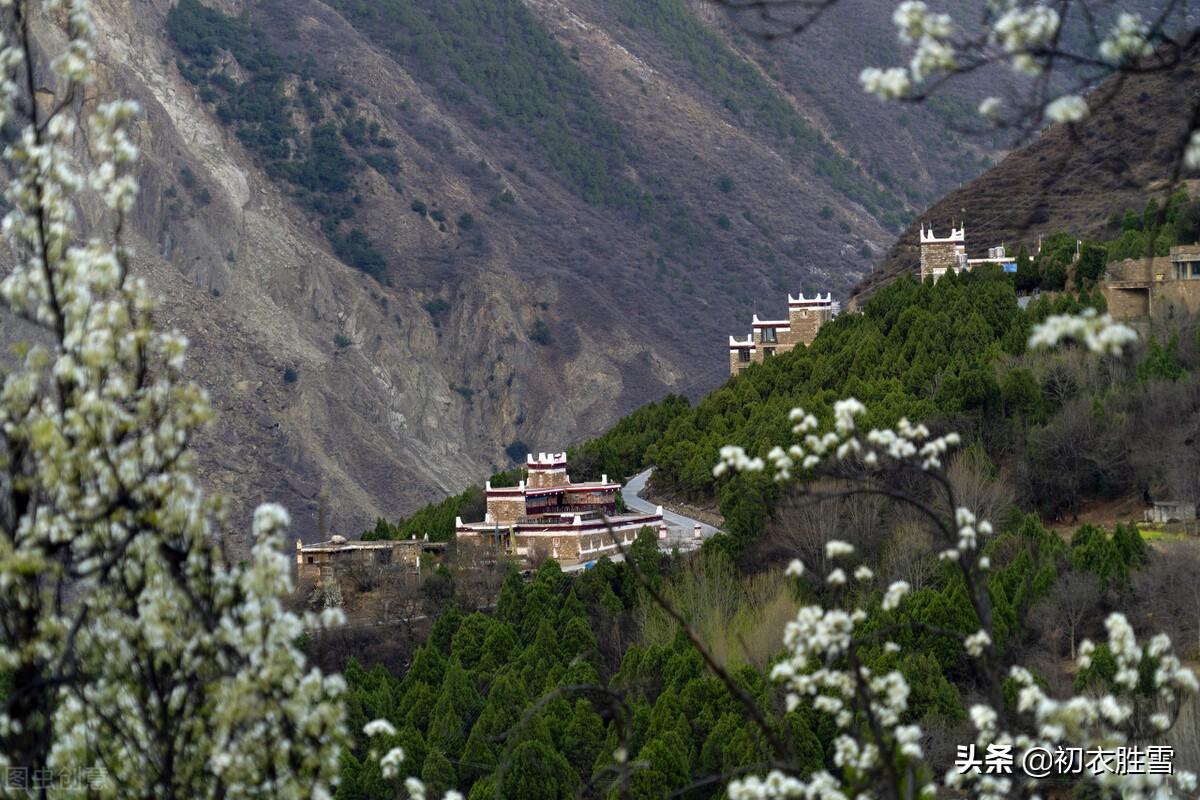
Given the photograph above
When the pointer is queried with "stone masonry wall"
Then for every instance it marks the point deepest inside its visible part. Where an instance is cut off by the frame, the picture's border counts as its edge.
(936, 256)
(506, 509)
(545, 478)
(1126, 303)
(1175, 298)
(805, 323)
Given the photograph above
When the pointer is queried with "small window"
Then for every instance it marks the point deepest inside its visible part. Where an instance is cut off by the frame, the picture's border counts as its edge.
(1196, 269)
(310, 559)
(743, 354)
(768, 352)
(768, 335)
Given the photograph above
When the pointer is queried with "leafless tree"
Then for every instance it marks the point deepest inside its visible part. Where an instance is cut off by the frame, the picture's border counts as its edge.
(978, 486)
(909, 555)
(1073, 600)
(1170, 587)
(802, 525)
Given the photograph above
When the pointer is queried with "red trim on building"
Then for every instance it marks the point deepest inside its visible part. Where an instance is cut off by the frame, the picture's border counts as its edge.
(572, 488)
(617, 523)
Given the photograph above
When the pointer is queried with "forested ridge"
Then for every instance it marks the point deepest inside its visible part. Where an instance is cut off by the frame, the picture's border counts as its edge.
(541, 696)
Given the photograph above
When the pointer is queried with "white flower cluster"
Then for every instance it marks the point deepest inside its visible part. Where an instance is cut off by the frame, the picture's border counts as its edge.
(874, 450)
(892, 83)
(1021, 33)
(1129, 39)
(173, 666)
(390, 762)
(1068, 108)
(1191, 156)
(1096, 331)
(1107, 721)
(933, 53)
(1021, 30)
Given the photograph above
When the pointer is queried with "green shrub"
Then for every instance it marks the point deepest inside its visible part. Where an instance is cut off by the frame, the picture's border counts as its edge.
(437, 306)
(342, 340)
(517, 450)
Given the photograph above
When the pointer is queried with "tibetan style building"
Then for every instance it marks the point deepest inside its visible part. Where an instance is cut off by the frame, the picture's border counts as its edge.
(548, 516)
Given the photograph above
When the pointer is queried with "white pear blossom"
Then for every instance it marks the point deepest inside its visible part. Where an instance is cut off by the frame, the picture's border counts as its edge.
(836, 549)
(886, 84)
(1127, 40)
(1191, 155)
(1068, 108)
(136, 643)
(379, 727)
(1096, 331)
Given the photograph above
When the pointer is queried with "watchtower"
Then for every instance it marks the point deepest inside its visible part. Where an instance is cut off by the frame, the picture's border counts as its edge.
(940, 255)
(806, 315)
(546, 470)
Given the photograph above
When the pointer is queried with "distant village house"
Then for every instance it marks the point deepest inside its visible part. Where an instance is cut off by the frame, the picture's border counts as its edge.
(1141, 287)
(770, 337)
(942, 254)
(318, 561)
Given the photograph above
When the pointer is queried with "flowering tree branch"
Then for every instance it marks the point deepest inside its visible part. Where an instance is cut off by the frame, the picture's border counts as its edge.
(131, 643)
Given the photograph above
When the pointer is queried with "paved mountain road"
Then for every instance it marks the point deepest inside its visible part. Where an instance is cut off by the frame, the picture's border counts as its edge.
(681, 526)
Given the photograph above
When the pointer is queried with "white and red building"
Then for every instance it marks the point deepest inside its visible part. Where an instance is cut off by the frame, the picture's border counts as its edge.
(548, 516)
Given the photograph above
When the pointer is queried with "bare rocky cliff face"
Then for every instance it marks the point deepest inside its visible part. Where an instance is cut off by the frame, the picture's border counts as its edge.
(511, 308)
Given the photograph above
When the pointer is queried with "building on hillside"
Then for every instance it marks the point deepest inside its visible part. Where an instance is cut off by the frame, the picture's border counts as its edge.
(942, 254)
(318, 560)
(1165, 512)
(770, 337)
(1139, 287)
(548, 516)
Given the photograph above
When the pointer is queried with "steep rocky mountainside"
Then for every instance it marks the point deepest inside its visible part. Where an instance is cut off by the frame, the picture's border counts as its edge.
(408, 238)
(1071, 178)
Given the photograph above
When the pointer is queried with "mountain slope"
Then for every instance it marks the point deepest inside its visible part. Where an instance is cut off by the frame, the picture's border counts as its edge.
(408, 239)
(1071, 178)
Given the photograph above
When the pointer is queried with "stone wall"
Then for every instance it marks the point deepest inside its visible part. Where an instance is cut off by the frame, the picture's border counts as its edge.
(1172, 298)
(545, 478)
(937, 256)
(736, 364)
(1131, 303)
(506, 508)
(562, 548)
(1138, 269)
(805, 323)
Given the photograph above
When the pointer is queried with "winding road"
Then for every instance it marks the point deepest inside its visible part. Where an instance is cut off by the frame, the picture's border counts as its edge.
(680, 529)
(679, 526)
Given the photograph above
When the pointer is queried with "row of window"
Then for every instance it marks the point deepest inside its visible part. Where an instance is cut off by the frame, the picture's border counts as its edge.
(744, 353)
